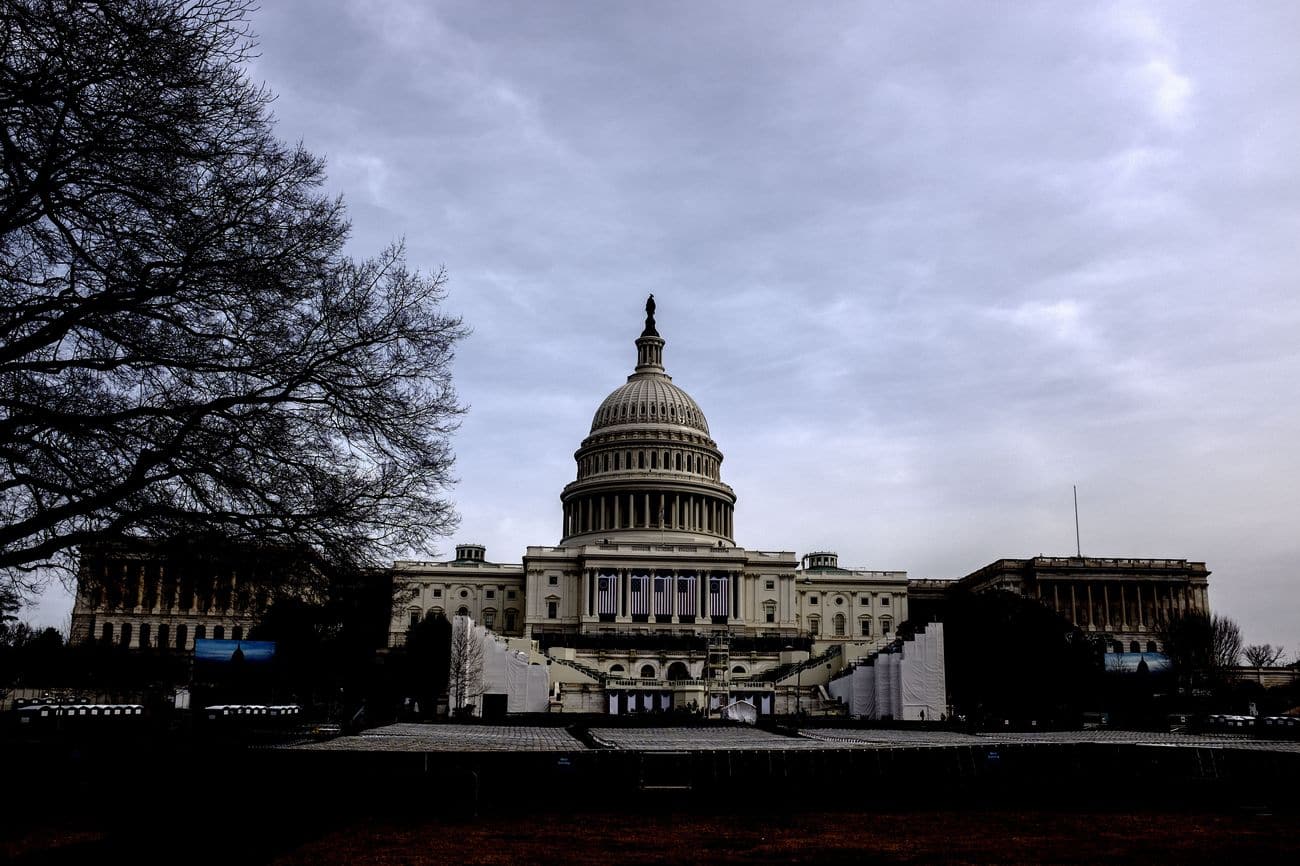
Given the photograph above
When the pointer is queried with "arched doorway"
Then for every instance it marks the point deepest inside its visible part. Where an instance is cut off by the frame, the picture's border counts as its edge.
(678, 671)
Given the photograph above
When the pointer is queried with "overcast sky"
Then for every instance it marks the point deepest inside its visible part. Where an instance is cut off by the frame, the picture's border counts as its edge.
(924, 266)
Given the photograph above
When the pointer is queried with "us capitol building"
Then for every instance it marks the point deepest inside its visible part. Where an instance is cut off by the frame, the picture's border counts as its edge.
(647, 597)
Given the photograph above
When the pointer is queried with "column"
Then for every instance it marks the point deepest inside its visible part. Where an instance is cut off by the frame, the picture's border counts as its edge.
(587, 585)
(1142, 614)
(618, 520)
(1105, 600)
(1074, 605)
(1123, 608)
(735, 596)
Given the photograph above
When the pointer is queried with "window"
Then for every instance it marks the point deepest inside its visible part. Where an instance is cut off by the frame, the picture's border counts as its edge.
(839, 625)
(769, 613)
(616, 669)
(812, 599)
(553, 580)
(182, 635)
(738, 669)
(1151, 646)
(164, 637)
(647, 672)
(106, 634)
(865, 625)
(144, 635)
(886, 626)
(884, 601)
(464, 593)
(769, 584)
(489, 618)
(839, 600)
(510, 619)
(865, 601)
(814, 625)
(237, 633)
(437, 592)
(491, 593)
(200, 632)
(126, 634)
(462, 611)
(219, 632)
(415, 617)
(510, 594)
(552, 609)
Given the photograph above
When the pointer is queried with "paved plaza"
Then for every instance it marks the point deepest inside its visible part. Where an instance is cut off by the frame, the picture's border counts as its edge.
(521, 738)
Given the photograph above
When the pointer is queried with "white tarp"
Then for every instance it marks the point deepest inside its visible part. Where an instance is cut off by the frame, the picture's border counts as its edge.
(910, 685)
(504, 672)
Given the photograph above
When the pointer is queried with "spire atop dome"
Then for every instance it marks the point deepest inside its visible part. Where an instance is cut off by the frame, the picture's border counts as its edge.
(649, 346)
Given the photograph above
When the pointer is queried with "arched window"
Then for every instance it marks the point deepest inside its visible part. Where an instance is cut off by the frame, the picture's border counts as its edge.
(678, 461)
(1117, 647)
(218, 632)
(1151, 646)
(814, 625)
(647, 672)
(886, 625)
(839, 625)
(237, 633)
(126, 634)
(738, 669)
(106, 633)
(616, 670)
(865, 626)
(144, 635)
(413, 618)
(182, 635)
(164, 637)
(678, 671)
(200, 632)
(462, 611)
(654, 459)
(1134, 647)
(640, 460)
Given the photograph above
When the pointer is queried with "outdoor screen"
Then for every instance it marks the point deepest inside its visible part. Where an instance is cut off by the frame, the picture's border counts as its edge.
(223, 651)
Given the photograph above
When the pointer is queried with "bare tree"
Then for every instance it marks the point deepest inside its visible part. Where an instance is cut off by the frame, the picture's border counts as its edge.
(1263, 655)
(183, 343)
(465, 679)
(1197, 642)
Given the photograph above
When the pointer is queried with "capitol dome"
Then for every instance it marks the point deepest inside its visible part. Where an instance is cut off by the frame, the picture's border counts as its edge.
(648, 466)
(648, 398)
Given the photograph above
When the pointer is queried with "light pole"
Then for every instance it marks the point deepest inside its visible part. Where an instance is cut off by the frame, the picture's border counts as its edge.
(798, 689)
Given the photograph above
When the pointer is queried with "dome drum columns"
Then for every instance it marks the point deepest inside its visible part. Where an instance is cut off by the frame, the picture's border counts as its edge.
(655, 511)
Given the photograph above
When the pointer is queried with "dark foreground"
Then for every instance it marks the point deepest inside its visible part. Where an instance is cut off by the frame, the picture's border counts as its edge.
(603, 795)
(975, 835)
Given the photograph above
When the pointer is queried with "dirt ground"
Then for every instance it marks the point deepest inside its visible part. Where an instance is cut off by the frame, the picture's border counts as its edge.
(956, 837)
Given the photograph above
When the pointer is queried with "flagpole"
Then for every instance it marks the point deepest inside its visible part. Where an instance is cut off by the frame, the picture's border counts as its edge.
(1078, 547)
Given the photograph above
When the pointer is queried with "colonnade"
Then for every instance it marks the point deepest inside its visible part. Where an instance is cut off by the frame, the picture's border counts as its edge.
(153, 587)
(687, 512)
(1124, 604)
